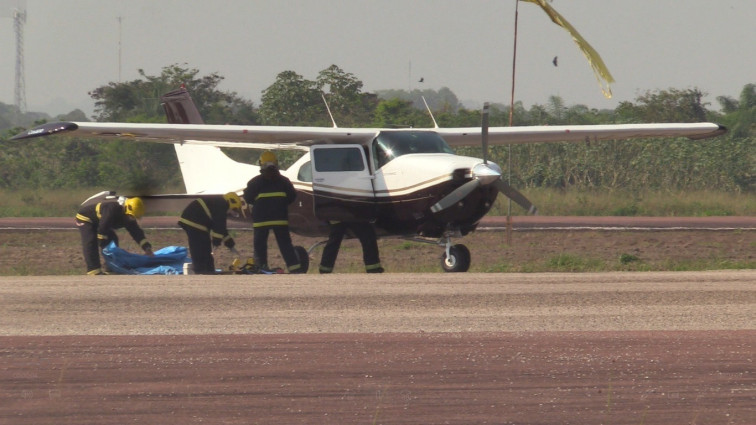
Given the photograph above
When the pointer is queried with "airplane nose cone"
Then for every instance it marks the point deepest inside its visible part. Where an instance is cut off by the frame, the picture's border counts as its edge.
(486, 173)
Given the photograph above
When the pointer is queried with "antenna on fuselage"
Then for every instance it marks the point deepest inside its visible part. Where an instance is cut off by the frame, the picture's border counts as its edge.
(435, 125)
(322, 95)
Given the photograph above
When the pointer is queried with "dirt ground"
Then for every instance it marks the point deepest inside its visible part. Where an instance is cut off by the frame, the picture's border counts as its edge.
(500, 378)
(58, 251)
(652, 348)
(399, 348)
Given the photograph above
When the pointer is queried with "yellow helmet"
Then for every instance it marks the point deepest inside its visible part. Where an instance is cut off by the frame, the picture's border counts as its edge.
(268, 159)
(134, 207)
(234, 202)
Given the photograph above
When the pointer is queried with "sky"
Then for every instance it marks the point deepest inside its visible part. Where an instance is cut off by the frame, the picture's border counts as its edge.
(72, 47)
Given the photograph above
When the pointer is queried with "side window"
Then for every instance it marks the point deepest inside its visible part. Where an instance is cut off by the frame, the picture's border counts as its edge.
(305, 172)
(338, 159)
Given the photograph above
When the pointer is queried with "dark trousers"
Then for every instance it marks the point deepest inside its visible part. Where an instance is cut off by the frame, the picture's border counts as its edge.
(364, 232)
(283, 238)
(91, 246)
(201, 250)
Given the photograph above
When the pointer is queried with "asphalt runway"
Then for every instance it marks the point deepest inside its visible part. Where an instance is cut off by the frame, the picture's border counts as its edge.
(546, 348)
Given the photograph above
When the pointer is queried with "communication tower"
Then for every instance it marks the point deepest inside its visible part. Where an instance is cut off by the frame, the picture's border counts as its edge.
(17, 11)
(19, 19)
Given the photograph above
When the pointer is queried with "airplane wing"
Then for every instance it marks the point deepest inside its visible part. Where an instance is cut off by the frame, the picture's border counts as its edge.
(231, 136)
(578, 133)
(288, 137)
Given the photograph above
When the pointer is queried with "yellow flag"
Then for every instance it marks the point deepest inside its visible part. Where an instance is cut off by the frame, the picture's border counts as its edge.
(599, 69)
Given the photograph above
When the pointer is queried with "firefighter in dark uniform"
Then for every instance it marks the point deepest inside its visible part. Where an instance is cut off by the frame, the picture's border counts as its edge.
(270, 194)
(97, 224)
(364, 232)
(204, 221)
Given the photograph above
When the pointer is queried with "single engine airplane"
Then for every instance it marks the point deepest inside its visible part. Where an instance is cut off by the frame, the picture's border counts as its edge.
(409, 181)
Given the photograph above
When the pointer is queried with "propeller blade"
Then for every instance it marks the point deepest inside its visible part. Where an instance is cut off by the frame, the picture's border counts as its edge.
(455, 196)
(484, 132)
(516, 196)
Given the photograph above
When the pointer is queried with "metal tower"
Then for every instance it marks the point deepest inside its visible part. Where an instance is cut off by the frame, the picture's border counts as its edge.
(16, 9)
(19, 19)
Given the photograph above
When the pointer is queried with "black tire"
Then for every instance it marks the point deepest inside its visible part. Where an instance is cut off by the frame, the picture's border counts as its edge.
(458, 261)
(304, 258)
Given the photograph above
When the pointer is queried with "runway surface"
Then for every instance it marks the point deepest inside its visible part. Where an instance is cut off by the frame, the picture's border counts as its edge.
(589, 348)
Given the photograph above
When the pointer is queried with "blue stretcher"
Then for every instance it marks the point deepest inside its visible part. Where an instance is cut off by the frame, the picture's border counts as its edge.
(168, 260)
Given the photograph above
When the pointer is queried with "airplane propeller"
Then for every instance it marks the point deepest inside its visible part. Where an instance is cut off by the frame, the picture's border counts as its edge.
(484, 174)
(456, 195)
(516, 196)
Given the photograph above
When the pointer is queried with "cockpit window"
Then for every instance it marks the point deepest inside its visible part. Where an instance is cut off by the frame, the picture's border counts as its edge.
(392, 144)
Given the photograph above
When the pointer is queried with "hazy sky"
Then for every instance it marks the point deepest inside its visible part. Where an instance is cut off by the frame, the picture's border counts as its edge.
(72, 46)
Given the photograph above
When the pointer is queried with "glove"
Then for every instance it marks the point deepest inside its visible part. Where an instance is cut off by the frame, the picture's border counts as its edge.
(229, 243)
(148, 249)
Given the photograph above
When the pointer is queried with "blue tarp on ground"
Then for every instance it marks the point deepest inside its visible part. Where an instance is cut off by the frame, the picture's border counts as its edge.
(168, 260)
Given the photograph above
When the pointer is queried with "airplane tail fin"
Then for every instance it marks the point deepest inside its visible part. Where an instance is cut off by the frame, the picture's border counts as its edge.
(180, 108)
(205, 169)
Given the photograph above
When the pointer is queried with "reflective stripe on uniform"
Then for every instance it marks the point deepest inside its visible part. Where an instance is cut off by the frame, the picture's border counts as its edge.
(204, 207)
(271, 223)
(97, 211)
(271, 195)
(193, 224)
(83, 218)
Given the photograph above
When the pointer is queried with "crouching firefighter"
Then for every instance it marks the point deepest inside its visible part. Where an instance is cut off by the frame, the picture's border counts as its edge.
(97, 224)
(204, 221)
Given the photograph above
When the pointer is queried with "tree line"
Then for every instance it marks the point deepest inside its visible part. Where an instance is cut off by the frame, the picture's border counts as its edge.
(722, 164)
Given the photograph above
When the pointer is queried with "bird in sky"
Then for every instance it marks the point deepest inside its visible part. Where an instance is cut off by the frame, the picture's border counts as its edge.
(555, 61)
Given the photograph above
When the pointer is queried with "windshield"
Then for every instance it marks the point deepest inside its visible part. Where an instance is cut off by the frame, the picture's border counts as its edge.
(392, 144)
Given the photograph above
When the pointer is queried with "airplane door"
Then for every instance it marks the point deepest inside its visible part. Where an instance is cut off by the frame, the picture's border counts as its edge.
(342, 185)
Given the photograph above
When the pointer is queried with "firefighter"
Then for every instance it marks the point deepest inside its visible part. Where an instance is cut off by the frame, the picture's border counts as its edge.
(269, 194)
(364, 232)
(97, 224)
(204, 221)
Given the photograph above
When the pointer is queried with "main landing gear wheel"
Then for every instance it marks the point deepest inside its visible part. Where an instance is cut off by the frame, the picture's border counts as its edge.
(303, 256)
(458, 259)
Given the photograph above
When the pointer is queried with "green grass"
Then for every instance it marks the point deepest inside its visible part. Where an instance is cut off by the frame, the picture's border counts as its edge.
(44, 202)
(553, 202)
(550, 202)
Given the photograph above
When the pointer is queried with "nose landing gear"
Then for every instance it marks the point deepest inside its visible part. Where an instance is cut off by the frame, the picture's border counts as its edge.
(456, 258)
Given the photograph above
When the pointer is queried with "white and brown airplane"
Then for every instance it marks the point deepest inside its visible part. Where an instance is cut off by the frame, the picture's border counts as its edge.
(409, 182)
